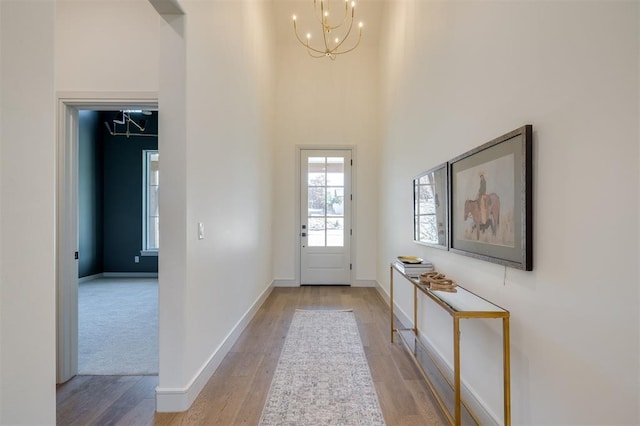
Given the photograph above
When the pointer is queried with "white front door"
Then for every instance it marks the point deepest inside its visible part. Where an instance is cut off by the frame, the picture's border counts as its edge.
(325, 217)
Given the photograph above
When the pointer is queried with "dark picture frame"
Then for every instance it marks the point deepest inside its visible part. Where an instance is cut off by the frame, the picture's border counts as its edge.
(490, 208)
(431, 207)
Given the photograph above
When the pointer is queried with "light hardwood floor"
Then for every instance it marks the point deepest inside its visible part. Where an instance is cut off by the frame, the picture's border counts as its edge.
(236, 393)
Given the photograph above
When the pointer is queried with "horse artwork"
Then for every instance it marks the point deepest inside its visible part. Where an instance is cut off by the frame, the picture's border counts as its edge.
(485, 213)
(484, 200)
(490, 199)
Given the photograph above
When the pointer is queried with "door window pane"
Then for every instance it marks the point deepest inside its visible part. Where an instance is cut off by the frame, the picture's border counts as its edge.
(316, 234)
(335, 171)
(316, 201)
(316, 171)
(335, 232)
(335, 201)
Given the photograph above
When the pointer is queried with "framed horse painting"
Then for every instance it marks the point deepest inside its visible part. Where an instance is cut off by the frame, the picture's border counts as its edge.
(490, 211)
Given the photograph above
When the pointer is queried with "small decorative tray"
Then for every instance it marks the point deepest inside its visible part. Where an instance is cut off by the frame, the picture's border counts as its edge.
(410, 259)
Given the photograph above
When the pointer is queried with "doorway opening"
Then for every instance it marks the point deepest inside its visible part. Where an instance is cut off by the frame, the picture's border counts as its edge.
(118, 241)
(94, 258)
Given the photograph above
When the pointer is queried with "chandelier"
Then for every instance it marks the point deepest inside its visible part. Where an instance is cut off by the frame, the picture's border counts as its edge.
(333, 43)
(125, 119)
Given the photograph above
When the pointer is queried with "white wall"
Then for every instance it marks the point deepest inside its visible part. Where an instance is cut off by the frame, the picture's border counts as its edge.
(229, 88)
(226, 73)
(106, 45)
(213, 70)
(325, 103)
(27, 137)
(172, 263)
(458, 74)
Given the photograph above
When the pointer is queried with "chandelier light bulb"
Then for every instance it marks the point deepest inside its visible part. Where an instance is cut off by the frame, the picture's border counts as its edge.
(360, 25)
(308, 36)
(353, 4)
(294, 17)
(337, 39)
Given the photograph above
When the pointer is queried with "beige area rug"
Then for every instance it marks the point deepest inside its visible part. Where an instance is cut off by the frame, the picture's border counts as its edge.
(322, 377)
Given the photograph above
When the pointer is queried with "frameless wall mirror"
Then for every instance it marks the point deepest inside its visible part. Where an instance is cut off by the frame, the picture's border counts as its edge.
(430, 216)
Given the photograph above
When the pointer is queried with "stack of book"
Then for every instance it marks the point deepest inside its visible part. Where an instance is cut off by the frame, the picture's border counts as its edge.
(413, 269)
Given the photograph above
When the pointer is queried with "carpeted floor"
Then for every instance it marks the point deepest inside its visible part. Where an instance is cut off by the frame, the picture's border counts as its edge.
(322, 377)
(118, 326)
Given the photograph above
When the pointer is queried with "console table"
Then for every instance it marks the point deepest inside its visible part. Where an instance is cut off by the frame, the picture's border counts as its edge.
(460, 305)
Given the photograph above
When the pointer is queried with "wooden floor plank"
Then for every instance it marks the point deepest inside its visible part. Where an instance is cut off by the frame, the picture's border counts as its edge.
(236, 393)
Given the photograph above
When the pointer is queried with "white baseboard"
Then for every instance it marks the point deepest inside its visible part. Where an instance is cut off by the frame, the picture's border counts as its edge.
(130, 274)
(89, 278)
(172, 400)
(473, 400)
(364, 283)
(118, 275)
(294, 283)
(285, 283)
(477, 405)
(397, 310)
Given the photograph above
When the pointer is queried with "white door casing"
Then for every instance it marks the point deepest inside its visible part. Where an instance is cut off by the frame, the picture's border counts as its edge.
(325, 216)
(67, 213)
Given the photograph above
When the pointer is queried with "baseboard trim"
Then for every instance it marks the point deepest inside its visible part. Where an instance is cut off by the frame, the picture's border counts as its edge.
(286, 283)
(130, 274)
(89, 278)
(473, 400)
(397, 310)
(173, 400)
(479, 407)
(355, 283)
(364, 283)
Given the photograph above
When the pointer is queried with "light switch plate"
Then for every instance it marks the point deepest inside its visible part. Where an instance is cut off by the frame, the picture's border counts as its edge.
(200, 231)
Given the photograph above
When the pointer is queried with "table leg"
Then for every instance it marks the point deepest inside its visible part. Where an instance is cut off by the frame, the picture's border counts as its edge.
(507, 371)
(415, 310)
(456, 367)
(391, 299)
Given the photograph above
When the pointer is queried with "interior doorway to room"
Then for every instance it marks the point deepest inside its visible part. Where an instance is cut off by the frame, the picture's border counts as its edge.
(325, 216)
(84, 235)
(118, 241)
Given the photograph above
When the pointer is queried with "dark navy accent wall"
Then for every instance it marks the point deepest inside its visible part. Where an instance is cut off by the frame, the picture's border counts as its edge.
(122, 230)
(89, 194)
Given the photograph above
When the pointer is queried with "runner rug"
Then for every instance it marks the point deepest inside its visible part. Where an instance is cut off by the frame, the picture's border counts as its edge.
(322, 377)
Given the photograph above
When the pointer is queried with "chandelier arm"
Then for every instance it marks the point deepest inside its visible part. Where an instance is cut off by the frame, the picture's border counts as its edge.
(130, 120)
(315, 56)
(347, 51)
(324, 28)
(303, 43)
(320, 15)
(326, 45)
(344, 18)
(346, 36)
